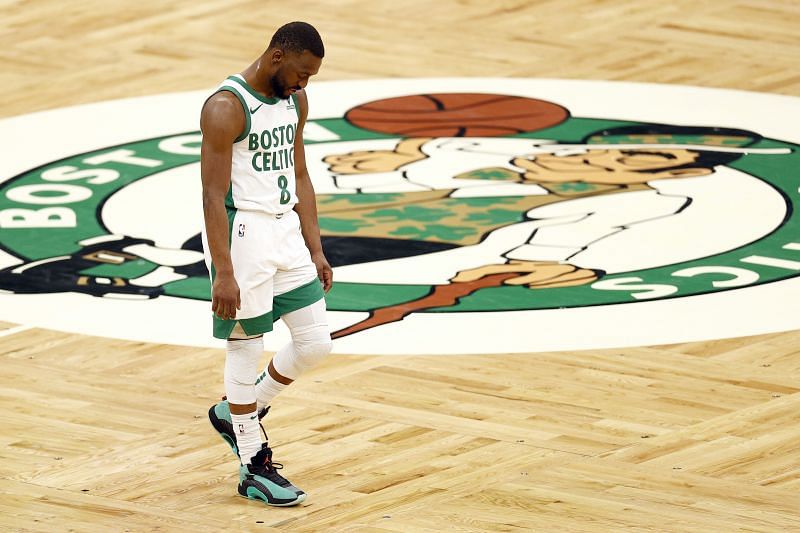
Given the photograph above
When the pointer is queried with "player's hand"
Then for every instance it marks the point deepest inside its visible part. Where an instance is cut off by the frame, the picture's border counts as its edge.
(534, 274)
(225, 296)
(324, 270)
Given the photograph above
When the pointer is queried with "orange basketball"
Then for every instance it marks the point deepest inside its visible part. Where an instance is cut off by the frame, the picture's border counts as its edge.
(456, 115)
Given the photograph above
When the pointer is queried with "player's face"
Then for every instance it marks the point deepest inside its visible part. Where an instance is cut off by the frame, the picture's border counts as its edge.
(294, 72)
(611, 166)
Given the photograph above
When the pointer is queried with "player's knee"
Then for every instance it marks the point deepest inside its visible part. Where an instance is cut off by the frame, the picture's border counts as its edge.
(241, 369)
(239, 377)
(240, 386)
(310, 352)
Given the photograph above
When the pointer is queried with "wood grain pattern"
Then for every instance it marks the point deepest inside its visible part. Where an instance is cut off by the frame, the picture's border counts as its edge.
(103, 434)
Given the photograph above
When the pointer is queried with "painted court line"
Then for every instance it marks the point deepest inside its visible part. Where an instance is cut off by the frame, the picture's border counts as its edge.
(14, 330)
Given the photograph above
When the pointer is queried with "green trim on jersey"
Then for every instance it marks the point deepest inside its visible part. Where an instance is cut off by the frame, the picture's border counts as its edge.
(298, 298)
(246, 129)
(229, 202)
(255, 94)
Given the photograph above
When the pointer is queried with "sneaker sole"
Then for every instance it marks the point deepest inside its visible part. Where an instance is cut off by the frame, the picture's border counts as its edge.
(223, 427)
(256, 495)
(220, 426)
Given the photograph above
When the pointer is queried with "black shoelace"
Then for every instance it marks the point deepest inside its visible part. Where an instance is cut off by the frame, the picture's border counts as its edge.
(270, 468)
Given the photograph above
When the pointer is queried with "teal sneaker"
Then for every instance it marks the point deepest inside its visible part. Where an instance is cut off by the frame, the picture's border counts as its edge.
(220, 416)
(260, 480)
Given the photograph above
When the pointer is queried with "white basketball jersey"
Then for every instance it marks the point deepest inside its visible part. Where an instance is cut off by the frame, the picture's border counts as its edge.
(262, 173)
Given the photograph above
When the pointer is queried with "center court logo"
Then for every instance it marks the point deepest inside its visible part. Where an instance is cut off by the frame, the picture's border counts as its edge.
(440, 210)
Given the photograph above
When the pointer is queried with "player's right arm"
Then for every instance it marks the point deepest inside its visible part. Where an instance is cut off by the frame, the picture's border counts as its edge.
(221, 121)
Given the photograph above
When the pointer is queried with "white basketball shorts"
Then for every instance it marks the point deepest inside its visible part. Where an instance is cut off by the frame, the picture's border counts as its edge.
(272, 267)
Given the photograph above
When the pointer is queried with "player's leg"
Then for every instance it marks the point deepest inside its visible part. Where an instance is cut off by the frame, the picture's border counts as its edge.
(258, 475)
(242, 357)
(311, 342)
(220, 413)
(236, 419)
(300, 302)
(244, 342)
(243, 334)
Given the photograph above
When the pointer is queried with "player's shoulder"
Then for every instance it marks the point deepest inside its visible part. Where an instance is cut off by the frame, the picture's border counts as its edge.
(222, 105)
(222, 101)
(222, 112)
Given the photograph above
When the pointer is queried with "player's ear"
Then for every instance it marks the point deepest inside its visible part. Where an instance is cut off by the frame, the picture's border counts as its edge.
(687, 172)
(276, 56)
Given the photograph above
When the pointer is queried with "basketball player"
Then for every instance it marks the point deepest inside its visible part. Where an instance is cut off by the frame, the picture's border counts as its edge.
(262, 245)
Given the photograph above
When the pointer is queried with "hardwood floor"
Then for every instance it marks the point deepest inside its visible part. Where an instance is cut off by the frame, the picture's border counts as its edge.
(109, 435)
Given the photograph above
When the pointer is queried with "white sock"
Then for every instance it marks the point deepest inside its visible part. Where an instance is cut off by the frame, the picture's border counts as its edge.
(266, 389)
(248, 438)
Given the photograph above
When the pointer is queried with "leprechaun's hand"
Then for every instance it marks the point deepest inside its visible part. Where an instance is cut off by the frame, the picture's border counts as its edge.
(371, 161)
(534, 274)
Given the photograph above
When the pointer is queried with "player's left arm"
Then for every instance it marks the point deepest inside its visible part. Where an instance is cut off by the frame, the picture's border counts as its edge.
(306, 207)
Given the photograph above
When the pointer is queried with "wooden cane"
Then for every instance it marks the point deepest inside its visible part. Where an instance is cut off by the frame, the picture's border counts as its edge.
(440, 296)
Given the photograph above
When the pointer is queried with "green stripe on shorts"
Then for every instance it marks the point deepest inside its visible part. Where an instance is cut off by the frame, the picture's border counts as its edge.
(251, 326)
(287, 302)
(297, 298)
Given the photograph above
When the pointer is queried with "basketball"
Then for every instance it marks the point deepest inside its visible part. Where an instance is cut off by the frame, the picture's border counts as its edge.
(456, 115)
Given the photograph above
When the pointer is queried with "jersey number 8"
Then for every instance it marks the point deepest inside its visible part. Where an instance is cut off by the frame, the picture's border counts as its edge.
(283, 182)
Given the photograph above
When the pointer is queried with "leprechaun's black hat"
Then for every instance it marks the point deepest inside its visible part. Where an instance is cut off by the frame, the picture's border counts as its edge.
(715, 146)
(668, 134)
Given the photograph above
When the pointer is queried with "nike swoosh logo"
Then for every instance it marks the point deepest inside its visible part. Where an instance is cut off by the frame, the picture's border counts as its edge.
(254, 417)
(256, 109)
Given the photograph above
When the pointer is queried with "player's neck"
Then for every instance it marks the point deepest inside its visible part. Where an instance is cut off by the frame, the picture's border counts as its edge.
(257, 76)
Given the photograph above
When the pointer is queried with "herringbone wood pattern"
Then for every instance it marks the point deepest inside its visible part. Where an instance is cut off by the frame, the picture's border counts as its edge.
(102, 435)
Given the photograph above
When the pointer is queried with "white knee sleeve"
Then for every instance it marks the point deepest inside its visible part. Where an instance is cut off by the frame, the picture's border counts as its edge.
(308, 354)
(311, 341)
(241, 369)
